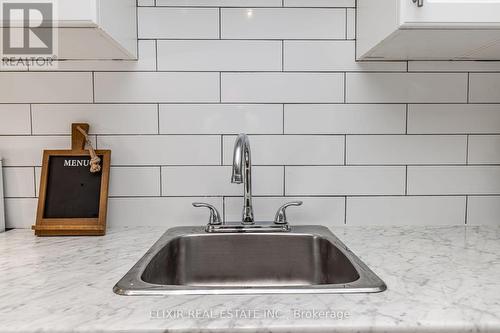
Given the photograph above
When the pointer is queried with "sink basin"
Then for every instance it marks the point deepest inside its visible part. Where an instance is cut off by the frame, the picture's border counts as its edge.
(308, 259)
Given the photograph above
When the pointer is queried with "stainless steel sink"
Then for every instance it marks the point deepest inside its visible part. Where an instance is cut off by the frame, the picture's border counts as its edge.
(306, 259)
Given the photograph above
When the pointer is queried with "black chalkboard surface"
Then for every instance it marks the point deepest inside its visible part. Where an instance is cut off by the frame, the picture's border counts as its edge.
(72, 190)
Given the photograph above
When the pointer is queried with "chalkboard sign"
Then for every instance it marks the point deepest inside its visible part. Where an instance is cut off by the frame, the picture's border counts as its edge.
(72, 199)
(72, 191)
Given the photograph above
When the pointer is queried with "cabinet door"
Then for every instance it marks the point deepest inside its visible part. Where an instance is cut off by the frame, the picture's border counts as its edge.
(450, 14)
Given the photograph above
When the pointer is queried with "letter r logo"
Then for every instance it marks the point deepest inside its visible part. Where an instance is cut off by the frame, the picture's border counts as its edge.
(27, 28)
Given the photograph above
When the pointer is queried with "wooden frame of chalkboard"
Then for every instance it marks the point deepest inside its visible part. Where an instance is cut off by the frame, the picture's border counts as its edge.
(72, 200)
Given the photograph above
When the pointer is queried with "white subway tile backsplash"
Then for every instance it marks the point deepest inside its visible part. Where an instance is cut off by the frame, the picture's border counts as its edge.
(283, 23)
(453, 180)
(405, 211)
(221, 118)
(331, 56)
(23, 87)
(20, 212)
(390, 142)
(484, 88)
(155, 150)
(164, 212)
(134, 181)
(19, 182)
(219, 55)
(57, 118)
(38, 174)
(157, 87)
(178, 23)
(483, 210)
(15, 119)
(282, 87)
(406, 149)
(319, 3)
(454, 66)
(484, 149)
(144, 3)
(406, 87)
(220, 3)
(145, 62)
(28, 150)
(351, 23)
(453, 118)
(323, 211)
(345, 118)
(216, 181)
(291, 150)
(345, 180)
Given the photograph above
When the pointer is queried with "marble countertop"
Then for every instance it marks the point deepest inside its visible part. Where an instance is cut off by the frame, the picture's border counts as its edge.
(439, 280)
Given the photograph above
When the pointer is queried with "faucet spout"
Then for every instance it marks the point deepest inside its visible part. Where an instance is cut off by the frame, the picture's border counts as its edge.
(242, 173)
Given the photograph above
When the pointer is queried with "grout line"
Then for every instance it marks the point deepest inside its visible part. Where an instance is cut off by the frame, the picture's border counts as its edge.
(137, 26)
(34, 180)
(346, 24)
(220, 87)
(93, 87)
(345, 210)
(312, 196)
(345, 149)
(282, 55)
(126, 102)
(158, 116)
(406, 180)
(156, 54)
(319, 71)
(466, 209)
(222, 150)
(258, 134)
(332, 166)
(258, 7)
(224, 209)
(467, 150)
(284, 181)
(345, 88)
(406, 119)
(468, 87)
(161, 182)
(283, 120)
(220, 23)
(31, 119)
(312, 166)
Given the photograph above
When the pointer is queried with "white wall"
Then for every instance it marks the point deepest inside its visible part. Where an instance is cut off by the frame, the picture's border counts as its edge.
(360, 143)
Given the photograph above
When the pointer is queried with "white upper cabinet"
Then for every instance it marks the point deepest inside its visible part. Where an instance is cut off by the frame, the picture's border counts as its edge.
(83, 29)
(451, 13)
(435, 30)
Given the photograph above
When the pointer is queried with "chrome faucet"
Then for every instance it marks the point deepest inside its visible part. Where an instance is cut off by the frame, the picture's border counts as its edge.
(242, 173)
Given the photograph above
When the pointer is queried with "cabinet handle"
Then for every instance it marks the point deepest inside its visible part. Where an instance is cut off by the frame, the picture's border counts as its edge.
(420, 3)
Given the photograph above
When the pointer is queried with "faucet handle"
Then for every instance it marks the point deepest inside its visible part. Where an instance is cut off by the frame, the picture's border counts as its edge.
(214, 213)
(281, 214)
